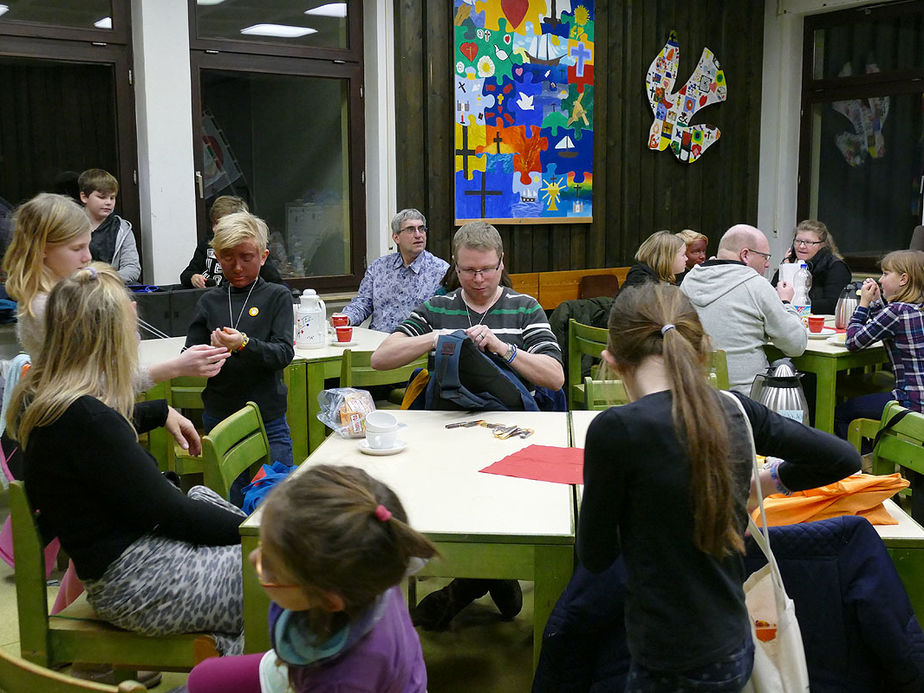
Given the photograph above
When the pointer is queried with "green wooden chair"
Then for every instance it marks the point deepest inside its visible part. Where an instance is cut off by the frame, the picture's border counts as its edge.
(356, 371)
(20, 675)
(77, 634)
(603, 394)
(582, 339)
(718, 366)
(901, 446)
(237, 443)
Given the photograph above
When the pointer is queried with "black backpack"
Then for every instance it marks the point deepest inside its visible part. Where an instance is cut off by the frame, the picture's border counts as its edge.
(463, 377)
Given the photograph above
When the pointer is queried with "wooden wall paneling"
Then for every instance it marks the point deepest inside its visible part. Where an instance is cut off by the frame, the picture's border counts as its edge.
(410, 49)
(438, 100)
(636, 191)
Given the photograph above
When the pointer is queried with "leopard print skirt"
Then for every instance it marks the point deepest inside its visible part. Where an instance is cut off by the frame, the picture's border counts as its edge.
(162, 586)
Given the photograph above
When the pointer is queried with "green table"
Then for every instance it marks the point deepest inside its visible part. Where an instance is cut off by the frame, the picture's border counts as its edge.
(826, 360)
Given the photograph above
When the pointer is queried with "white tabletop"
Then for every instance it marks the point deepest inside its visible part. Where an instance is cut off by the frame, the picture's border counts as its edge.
(364, 339)
(151, 351)
(437, 478)
(580, 421)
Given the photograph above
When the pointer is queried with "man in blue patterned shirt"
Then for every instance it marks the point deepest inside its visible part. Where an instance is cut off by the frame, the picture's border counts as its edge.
(395, 284)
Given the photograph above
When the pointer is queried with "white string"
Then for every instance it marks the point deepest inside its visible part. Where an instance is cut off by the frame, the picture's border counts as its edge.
(244, 305)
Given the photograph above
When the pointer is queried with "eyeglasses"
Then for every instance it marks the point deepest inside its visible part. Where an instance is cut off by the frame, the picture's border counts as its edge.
(413, 229)
(258, 569)
(766, 256)
(484, 272)
(802, 241)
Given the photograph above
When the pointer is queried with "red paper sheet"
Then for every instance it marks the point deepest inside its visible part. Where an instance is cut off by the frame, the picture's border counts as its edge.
(542, 463)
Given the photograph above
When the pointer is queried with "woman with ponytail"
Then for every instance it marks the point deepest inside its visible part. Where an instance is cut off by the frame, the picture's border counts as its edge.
(667, 479)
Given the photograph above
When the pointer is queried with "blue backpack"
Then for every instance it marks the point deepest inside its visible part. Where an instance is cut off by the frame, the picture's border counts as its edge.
(464, 377)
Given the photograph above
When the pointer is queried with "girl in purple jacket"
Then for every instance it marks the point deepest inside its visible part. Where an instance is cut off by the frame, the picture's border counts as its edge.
(334, 545)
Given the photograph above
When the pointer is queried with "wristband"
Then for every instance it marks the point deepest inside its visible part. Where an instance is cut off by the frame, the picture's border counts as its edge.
(780, 486)
(244, 341)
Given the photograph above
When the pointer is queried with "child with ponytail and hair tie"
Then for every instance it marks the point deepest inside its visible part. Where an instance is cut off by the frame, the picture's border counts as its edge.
(334, 546)
(685, 444)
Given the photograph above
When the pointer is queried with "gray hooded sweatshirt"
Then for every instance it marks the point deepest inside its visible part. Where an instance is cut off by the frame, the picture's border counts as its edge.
(742, 312)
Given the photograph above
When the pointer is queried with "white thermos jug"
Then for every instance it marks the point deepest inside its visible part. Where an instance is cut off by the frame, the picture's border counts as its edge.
(311, 321)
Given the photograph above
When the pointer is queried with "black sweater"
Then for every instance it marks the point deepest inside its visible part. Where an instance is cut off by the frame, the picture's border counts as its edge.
(640, 273)
(255, 372)
(637, 501)
(830, 275)
(98, 490)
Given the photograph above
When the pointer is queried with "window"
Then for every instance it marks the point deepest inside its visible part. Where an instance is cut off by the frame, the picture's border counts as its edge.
(862, 137)
(67, 102)
(279, 121)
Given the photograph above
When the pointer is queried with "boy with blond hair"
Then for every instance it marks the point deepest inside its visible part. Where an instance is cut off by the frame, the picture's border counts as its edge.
(252, 319)
(112, 240)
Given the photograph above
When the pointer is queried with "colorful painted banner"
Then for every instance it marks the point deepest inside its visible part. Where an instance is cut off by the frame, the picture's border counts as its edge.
(523, 76)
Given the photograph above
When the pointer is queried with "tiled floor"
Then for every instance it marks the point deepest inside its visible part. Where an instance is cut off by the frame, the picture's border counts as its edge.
(478, 653)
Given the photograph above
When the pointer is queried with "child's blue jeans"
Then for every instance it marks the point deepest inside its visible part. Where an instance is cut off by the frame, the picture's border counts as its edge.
(280, 450)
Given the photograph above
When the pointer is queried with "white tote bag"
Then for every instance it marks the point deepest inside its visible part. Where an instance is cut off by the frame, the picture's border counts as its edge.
(779, 657)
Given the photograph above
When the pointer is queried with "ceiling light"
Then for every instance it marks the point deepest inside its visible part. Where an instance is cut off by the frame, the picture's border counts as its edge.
(209, 2)
(4, 9)
(278, 30)
(104, 23)
(331, 9)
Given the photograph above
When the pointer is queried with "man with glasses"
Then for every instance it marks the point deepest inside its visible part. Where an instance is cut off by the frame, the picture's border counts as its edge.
(500, 321)
(396, 283)
(739, 308)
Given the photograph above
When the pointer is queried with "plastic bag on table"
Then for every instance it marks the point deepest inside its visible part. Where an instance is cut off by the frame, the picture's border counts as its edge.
(344, 409)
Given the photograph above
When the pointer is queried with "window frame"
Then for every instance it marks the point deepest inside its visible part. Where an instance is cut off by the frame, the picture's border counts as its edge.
(120, 33)
(352, 73)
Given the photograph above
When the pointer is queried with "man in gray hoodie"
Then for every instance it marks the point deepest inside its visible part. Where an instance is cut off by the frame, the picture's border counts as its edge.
(739, 308)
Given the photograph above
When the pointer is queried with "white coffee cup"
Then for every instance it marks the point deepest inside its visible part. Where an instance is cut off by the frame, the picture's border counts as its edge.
(381, 421)
(382, 440)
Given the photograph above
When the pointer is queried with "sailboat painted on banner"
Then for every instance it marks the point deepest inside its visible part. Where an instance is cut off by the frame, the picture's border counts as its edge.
(565, 147)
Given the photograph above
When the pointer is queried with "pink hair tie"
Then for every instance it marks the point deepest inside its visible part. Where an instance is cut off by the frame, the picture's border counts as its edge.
(382, 514)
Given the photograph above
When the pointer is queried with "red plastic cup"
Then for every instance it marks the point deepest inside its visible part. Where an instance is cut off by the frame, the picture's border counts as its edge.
(339, 320)
(344, 334)
(816, 323)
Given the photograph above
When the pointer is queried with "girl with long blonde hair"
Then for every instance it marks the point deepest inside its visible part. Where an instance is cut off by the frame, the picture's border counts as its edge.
(892, 311)
(93, 486)
(51, 239)
(686, 445)
(661, 257)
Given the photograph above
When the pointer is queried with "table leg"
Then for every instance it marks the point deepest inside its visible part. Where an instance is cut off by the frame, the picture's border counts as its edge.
(314, 378)
(256, 603)
(296, 410)
(551, 573)
(826, 381)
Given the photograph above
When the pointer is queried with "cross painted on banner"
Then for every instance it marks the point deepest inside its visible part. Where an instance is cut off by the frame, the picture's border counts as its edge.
(497, 141)
(465, 152)
(581, 54)
(483, 193)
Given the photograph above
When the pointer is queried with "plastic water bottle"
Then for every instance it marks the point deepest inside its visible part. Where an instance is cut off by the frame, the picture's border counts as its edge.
(311, 321)
(801, 286)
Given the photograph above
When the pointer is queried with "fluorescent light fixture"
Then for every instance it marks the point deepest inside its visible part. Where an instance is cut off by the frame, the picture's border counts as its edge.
(209, 2)
(104, 23)
(331, 9)
(4, 9)
(278, 30)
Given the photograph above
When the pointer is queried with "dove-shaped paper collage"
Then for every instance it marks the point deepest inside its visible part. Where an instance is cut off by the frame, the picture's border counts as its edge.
(523, 78)
(673, 112)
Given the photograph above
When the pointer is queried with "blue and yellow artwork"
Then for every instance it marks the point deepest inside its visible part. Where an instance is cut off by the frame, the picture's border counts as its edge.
(523, 79)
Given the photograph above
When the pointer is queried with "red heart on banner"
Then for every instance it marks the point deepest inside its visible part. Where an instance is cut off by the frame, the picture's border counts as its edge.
(702, 100)
(514, 10)
(469, 50)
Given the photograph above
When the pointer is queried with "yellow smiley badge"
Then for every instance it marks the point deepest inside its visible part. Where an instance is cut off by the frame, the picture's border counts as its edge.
(253, 312)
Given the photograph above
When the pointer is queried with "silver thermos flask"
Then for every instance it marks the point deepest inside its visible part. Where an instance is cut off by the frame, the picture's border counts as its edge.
(780, 390)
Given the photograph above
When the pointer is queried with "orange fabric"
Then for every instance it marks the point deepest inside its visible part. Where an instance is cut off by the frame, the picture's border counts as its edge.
(859, 494)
